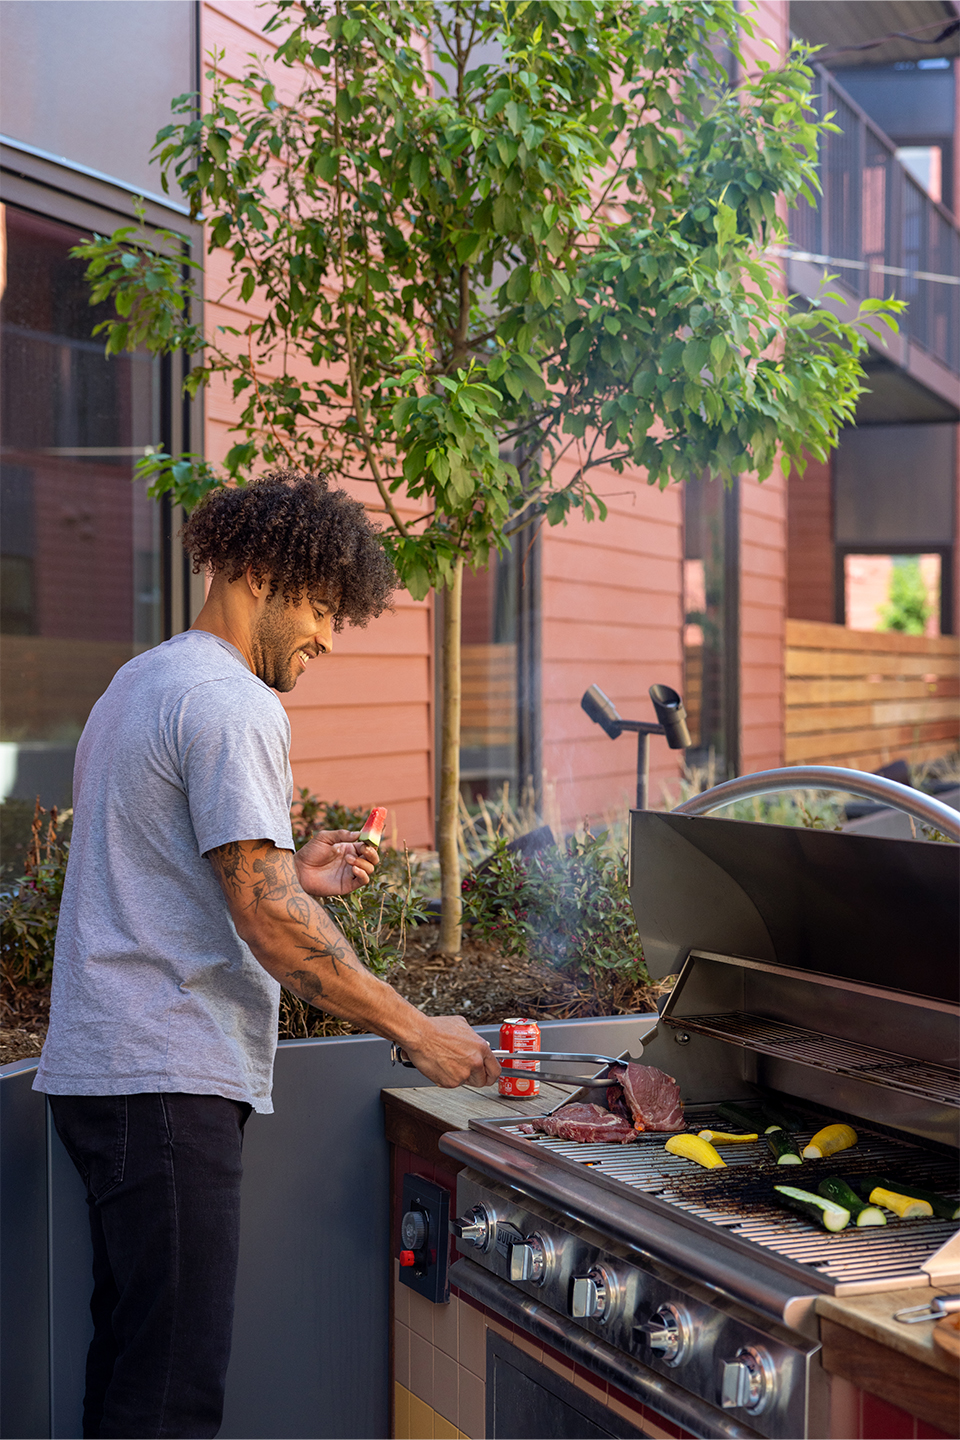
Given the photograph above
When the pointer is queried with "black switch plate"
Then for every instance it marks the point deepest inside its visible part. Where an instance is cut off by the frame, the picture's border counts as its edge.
(428, 1275)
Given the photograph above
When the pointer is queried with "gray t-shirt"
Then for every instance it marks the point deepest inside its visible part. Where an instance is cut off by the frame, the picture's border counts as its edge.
(153, 989)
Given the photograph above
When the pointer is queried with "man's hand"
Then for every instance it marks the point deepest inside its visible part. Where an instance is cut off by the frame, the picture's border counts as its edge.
(450, 1053)
(333, 863)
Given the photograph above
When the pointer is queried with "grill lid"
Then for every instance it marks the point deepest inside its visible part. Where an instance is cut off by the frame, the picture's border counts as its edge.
(881, 912)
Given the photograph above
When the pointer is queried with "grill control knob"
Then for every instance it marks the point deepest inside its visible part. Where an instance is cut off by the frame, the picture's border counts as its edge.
(748, 1380)
(414, 1230)
(476, 1228)
(527, 1260)
(668, 1333)
(594, 1296)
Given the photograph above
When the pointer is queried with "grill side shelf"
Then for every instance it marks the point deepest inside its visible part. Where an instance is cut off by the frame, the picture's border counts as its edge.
(938, 1083)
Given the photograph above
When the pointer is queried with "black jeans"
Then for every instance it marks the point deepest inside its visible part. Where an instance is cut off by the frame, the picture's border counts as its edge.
(163, 1186)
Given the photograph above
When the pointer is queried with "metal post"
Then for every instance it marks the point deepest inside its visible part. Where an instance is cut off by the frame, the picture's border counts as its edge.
(643, 768)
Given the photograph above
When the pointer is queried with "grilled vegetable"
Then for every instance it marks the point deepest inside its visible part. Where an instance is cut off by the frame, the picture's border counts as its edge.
(691, 1147)
(777, 1116)
(903, 1205)
(783, 1148)
(829, 1140)
(737, 1116)
(723, 1137)
(942, 1207)
(815, 1207)
(837, 1190)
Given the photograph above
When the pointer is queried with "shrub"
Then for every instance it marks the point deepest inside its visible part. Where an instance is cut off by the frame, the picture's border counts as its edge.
(567, 908)
(29, 912)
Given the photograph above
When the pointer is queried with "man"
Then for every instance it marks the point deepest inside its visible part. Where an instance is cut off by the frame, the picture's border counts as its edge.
(185, 908)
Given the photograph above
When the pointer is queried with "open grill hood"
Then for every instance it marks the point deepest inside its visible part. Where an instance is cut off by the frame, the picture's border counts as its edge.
(878, 912)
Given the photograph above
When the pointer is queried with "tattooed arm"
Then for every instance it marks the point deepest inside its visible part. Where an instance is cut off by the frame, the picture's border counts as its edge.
(295, 940)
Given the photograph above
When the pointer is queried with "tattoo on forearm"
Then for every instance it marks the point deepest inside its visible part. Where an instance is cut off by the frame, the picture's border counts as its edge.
(272, 878)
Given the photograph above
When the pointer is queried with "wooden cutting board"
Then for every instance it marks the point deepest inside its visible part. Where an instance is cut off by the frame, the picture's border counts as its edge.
(946, 1334)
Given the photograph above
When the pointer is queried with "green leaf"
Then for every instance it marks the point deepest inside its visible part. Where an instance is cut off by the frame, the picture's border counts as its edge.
(420, 171)
(496, 102)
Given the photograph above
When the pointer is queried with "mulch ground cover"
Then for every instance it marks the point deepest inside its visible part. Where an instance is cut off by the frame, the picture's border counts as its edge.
(481, 984)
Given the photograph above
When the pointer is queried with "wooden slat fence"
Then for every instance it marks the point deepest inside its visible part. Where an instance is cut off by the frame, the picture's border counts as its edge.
(488, 714)
(863, 698)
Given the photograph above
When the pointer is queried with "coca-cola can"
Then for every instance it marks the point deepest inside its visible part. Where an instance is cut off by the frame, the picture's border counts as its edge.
(520, 1035)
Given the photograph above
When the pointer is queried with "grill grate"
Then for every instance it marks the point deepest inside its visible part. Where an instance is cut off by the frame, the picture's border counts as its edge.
(736, 1199)
(824, 1052)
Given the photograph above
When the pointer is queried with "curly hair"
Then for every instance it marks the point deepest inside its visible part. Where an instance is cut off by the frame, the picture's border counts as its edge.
(305, 538)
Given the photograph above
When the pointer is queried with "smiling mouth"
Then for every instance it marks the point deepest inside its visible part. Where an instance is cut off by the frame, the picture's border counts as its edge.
(304, 657)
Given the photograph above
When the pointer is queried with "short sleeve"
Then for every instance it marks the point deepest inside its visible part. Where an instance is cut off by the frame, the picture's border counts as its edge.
(231, 742)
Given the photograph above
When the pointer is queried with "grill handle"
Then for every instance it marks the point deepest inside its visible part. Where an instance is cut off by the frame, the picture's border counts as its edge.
(828, 777)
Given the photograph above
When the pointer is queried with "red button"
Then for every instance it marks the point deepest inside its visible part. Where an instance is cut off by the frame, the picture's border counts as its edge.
(407, 1257)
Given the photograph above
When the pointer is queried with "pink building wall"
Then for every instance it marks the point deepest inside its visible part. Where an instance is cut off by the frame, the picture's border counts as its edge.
(363, 720)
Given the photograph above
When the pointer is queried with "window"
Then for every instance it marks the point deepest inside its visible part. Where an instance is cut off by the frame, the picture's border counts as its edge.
(80, 545)
(711, 628)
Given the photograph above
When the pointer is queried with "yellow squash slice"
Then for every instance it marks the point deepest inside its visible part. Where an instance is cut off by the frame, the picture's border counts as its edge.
(691, 1147)
(829, 1140)
(903, 1205)
(723, 1137)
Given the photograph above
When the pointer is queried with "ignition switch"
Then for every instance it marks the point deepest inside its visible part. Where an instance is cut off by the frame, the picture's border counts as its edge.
(425, 1212)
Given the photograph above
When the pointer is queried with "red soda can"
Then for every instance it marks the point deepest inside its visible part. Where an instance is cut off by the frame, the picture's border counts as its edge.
(519, 1035)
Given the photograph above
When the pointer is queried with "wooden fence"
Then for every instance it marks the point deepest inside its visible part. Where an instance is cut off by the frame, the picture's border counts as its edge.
(489, 706)
(863, 698)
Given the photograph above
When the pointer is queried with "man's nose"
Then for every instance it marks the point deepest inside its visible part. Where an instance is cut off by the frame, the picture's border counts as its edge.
(325, 637)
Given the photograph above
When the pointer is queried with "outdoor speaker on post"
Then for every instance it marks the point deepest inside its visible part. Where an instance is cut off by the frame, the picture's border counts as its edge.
(602, 711)
(671, 715)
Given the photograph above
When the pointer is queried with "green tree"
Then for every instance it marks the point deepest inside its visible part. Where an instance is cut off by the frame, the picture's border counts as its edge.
(487, 237)
(908, 609)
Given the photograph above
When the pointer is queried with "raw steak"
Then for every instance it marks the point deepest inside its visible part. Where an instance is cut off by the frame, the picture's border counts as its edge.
(586, 1123)
(652, 1097)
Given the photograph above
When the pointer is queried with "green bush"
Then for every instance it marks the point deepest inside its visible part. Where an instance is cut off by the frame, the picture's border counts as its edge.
(567, 907)
(29, 910)
(909, 609)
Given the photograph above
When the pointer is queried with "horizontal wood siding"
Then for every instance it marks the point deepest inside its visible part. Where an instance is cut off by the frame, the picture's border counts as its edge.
(862, 699)
(612, 597)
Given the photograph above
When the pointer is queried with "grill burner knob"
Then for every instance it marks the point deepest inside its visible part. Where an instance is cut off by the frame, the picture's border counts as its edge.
(748, 1381)
(476, 1228)
(527, 1260)
(668, 1333)
(594, 1296)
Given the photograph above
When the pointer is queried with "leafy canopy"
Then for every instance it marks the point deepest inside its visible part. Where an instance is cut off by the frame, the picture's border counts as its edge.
(486, 248)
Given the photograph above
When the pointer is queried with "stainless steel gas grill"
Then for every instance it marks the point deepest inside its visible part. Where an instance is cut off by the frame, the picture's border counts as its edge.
(813, 966)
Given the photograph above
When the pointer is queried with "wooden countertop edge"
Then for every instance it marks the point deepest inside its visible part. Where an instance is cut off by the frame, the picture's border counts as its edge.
(910, 1384)
(914, 1342)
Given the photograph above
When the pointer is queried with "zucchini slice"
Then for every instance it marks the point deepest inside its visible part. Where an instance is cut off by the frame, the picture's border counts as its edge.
(748, 1120)
(783, 1148)
(822, 1211)
(837, 1190)
(942, 1207)
(777, 1115)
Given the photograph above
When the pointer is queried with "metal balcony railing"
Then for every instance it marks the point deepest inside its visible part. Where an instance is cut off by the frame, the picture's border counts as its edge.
(879, 231)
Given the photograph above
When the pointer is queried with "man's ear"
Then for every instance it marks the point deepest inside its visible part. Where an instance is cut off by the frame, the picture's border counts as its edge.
(258, 587)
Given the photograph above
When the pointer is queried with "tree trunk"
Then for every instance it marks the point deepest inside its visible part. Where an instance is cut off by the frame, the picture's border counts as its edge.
(450, 903)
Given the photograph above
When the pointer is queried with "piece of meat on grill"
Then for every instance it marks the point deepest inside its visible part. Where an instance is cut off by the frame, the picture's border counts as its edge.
(652, 1098)
(589, 1124)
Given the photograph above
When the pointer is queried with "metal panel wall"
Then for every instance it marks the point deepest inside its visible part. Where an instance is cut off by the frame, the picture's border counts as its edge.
(310, 1353)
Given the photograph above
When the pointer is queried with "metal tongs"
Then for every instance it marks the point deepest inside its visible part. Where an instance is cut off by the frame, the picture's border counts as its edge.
(936, 1309)
(553, 1056)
